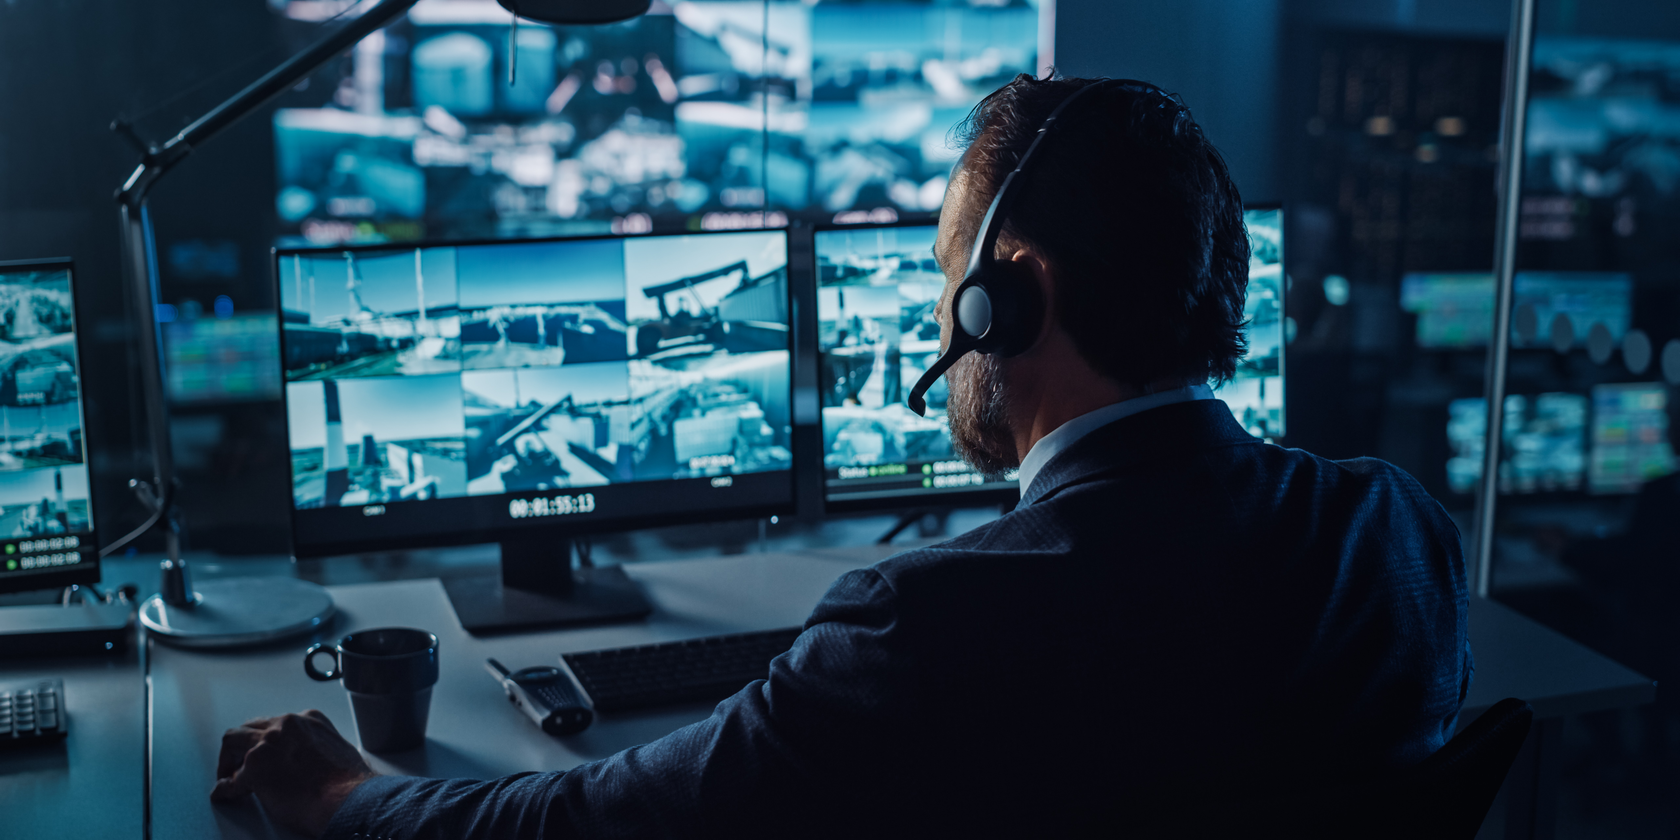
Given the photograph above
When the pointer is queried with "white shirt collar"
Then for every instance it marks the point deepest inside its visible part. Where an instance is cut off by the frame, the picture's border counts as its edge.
(1068, 433)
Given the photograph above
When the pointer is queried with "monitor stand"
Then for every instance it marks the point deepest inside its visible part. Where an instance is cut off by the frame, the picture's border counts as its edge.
(539, 588)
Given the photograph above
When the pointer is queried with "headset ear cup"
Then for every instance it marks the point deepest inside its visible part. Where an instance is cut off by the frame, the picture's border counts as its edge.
(1017, 308)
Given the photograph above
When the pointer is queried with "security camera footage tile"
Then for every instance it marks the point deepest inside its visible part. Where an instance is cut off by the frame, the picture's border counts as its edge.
(586, 362)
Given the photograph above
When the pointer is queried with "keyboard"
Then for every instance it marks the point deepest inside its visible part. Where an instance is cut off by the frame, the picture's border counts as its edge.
(670, 673)
(32, 712)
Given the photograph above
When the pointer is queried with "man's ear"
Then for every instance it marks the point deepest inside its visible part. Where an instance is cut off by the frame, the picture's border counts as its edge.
(1030, 265)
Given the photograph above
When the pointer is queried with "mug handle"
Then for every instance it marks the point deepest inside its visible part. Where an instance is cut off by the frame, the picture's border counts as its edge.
(309, 663)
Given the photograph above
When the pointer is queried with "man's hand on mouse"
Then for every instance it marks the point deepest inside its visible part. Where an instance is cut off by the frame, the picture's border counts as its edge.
(299, 767)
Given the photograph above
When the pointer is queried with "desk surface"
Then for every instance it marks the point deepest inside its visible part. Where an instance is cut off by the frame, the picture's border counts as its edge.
(473, 732)
(1518, 657)
(91, 783)
(90, 786)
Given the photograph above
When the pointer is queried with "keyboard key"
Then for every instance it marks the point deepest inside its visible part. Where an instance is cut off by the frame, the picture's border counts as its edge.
(30, 713)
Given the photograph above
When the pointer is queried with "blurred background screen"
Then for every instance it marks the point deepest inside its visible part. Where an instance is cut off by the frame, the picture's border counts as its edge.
(698, 115)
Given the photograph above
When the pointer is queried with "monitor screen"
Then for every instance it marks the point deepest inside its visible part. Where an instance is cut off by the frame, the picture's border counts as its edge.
(1255, 394)
(222, 359)
(1453, 310)
(1544, 436)
(877, 288)
(1562, 309)
(1630, 436)
(46, 519)
(717, 114)
(876, 333)
(447, 393)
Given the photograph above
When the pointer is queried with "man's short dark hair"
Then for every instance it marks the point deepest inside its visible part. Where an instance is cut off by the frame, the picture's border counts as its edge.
(1137, 215)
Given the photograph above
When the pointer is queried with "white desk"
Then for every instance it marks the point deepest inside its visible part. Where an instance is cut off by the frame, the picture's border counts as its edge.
(473, 731)
(90, 784)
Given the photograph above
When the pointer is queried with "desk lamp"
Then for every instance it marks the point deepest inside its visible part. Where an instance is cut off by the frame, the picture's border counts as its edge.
(239, 611)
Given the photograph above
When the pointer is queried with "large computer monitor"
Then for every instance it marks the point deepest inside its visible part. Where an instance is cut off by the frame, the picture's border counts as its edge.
(46, 514)
(524, 391)
(877, 287)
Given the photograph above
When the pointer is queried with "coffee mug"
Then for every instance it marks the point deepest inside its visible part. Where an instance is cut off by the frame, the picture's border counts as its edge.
(389, 673)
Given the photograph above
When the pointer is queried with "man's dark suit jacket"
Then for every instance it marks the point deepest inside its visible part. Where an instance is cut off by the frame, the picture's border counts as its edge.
(1176, 614)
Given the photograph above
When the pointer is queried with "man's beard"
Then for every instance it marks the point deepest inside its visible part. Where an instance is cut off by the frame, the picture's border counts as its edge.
(978, 413)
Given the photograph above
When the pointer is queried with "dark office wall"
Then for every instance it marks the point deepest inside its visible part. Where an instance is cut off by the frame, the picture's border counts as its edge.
(67, 68)
(1220, 55)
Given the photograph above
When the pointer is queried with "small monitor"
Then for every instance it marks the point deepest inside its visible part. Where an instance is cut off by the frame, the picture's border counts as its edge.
(1631, 441)
(1544, 443)
(222, 359)
(522, 391)
(1564, 309)
(46, 515)
(1454, 311)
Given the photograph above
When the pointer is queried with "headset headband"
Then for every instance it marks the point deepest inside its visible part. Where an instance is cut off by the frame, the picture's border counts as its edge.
(982, 259)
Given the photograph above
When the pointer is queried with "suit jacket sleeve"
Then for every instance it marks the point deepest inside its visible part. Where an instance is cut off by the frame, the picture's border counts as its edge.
(758, 766)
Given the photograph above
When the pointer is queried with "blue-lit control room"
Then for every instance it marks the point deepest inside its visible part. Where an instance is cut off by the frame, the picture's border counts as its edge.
(839, 418)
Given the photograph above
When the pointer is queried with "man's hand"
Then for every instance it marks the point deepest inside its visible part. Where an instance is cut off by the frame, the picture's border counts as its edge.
(299, 767)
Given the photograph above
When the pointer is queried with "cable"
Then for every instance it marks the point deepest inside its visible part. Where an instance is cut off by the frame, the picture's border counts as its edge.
(161, 505)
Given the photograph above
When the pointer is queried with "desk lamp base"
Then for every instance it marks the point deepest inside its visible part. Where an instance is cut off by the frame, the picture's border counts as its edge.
(234, 612)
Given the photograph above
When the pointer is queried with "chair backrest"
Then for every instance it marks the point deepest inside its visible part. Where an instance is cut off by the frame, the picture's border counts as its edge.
(1452, 790)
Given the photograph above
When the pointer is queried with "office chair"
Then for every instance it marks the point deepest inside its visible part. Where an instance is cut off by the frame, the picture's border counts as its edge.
(1449, 794)
(1446, 796)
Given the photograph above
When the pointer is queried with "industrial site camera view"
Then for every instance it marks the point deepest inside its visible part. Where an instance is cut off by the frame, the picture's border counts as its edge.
(877, 291)
(43, 471)
(474, 370)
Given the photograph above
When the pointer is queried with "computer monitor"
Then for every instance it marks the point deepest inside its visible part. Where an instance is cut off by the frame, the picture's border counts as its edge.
(46, 512)
(877, 287)
(1630, 436)
(1562, 309)
(1454, 311)
(525, 391)
(222, 359)
(1255, 394)
(1544, 443)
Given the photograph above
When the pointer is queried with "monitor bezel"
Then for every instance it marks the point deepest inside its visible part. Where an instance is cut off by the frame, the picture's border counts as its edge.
(88, 570)
(558, 530)
(948, 498)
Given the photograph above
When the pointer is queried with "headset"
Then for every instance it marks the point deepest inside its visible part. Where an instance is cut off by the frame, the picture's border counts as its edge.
(998, 307)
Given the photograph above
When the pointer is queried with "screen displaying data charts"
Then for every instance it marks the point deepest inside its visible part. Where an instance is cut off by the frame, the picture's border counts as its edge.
(460, 389)
(46, 521)
(1630, 436)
